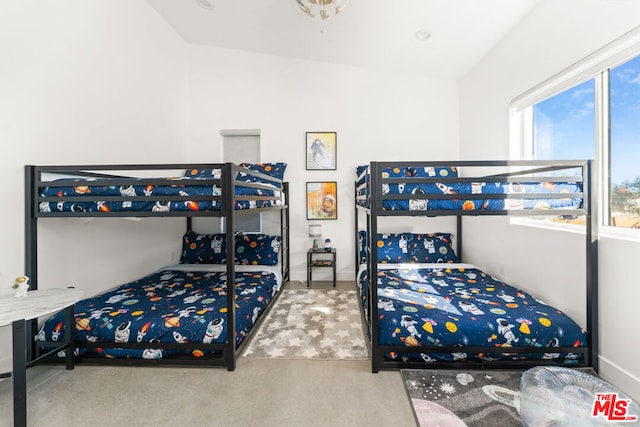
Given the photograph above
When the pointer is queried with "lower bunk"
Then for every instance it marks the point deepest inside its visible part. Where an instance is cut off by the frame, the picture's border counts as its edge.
(177, 315)
(454, 315)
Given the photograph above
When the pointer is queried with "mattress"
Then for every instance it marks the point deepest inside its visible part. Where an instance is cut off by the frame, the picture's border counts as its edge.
(178, 304)
(444, 192)
(182, 188)
(460, 305)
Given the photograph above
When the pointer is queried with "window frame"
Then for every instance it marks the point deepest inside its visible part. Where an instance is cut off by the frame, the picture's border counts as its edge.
(595, 66)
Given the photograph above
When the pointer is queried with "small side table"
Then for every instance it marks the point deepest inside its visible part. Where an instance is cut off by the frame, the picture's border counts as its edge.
(315, 260)
(18, 312)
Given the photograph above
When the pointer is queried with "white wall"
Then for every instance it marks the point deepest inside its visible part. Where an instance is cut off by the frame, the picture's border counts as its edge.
(377, 116)
(554, 36)
(86, 82)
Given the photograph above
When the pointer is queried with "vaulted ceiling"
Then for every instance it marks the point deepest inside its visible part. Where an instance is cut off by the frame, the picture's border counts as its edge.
(367, 33)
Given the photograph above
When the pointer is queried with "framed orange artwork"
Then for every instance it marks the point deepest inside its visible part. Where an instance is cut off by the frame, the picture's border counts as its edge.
(322, 200)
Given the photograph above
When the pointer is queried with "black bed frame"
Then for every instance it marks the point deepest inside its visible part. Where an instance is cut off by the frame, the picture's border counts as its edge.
(224, 354)
(510, 172)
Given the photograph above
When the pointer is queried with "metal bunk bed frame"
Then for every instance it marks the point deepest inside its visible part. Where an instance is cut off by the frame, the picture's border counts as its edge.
(226, 353)
(524, 173)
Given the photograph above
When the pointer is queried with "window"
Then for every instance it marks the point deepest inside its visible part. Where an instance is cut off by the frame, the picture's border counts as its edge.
(564, 125)
(624, 144)
(590, 111)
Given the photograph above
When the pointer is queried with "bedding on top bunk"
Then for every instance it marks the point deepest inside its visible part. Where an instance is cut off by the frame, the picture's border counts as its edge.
(185, 186)
(463, 188)
(179, 304)
(455, 304)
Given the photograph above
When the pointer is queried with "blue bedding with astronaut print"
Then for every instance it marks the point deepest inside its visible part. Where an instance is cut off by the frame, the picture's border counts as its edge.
(170, 306)
(183, 187)
(460, 305)
(522, 195)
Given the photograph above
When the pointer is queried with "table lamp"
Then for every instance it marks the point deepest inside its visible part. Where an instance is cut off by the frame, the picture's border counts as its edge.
(315, 230)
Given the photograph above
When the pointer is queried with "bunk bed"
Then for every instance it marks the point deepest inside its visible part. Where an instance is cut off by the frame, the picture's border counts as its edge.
(423, 307)
(182, 314)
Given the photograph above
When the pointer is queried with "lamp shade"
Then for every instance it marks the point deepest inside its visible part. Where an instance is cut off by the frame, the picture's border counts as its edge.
(315, 230)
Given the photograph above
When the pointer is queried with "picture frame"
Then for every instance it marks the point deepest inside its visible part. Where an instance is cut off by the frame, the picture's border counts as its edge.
(322, 200)
(321, 150)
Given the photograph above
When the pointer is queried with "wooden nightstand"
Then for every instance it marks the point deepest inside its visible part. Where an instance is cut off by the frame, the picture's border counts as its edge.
(315, 259)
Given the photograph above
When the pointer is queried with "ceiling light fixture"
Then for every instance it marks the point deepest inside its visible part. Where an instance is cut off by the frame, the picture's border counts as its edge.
(206, 4)
(326, 8)
(423, 35)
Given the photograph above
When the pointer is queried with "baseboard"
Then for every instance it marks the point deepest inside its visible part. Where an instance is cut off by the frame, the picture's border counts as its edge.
(621, 379)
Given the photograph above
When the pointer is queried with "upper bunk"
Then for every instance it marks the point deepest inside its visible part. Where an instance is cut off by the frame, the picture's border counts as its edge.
(155, 190)
(470, 188)
(223, 190)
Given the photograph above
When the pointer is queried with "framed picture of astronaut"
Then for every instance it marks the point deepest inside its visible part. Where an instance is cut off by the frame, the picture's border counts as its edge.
(321, 150)
(322, 200)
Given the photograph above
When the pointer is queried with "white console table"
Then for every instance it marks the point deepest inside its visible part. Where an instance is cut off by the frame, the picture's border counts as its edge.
(19, 312)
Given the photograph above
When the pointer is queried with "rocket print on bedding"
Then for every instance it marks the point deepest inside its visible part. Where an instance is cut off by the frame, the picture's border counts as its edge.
(167, 306)
(466, 307)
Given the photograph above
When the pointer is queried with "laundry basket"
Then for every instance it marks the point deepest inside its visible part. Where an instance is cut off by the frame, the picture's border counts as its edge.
(557, 396)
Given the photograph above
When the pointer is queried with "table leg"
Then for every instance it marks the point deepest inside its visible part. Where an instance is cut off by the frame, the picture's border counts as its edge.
(19, 373)
(334, 270)
(308, 269)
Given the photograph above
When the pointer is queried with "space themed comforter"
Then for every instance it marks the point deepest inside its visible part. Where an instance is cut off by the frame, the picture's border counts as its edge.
(460, 305)
(522, 195)
(182, 304)
(183, 187)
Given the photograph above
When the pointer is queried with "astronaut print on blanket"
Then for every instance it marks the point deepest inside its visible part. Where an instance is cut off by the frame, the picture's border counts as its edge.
(311, 324)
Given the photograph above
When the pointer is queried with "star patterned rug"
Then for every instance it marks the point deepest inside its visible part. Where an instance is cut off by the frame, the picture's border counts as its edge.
(311, 324)
(450, 398)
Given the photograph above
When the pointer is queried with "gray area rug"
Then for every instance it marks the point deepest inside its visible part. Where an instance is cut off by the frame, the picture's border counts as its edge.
(449, 398)
(311, 324)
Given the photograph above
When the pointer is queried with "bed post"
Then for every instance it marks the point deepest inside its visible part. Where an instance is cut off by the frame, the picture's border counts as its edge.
(459, 236)
(592, 267)
(31, 247)
(355, 209)
(284, 234)
(374, 205)
(228, 208)
(30, 228)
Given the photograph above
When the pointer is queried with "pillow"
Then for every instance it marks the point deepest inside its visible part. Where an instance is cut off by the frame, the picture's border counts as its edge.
(360, 169)
(275, 170)
(431, 172)
(434, 247)
(388, 172)
(204, 248)
(257, 249)
(203, 173)
(393, 248)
